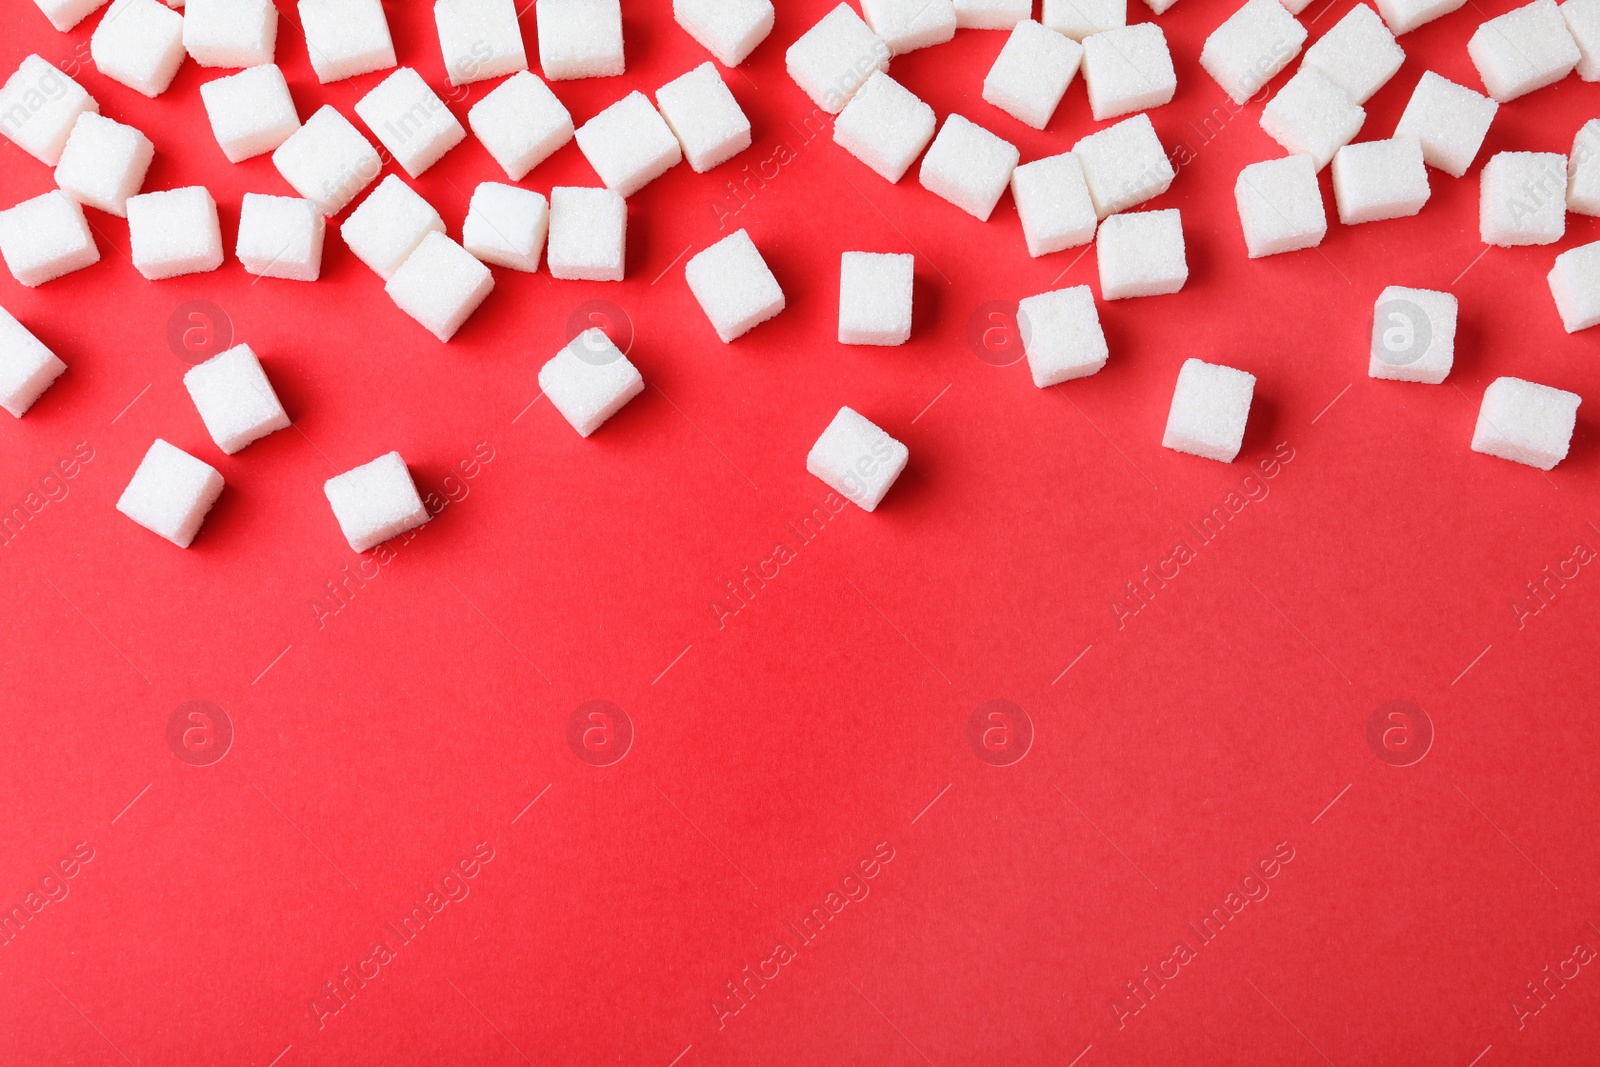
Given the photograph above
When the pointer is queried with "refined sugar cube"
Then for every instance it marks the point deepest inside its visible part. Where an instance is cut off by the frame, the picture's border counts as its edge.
(1359, 54)
(1251, 47)
(1583, 22)
(38, 107)
(521, 123)
(1128, 70)
(346, 37)
(857, 459)
(480, 39)
(906, 25)
(440, 285)
(1413, 335)
(46, 237)
(885, 126)
(1583, 171)
(968, 166)
(707, 120)
(327, 161)
(1054, 204)
(991, 14)
(1160, 7)
(174, 232)
(1061, 335)
(1312, 116)
(835, 57)
(388, 225)
(1523, 199)
(588, 234)
(251, 112)
(728, 29)
(65, 14)
(506, 225)
(1403, 16)
(103, 163)
(230, 33)
(580, 38)
(1575, 284)
(1124, 165)
(410, 120)
(1141, 254)
(170, 493)
(234, 398)
(589, 381)
(1450, 120)
(375, 501)
(280, 237)
(1524, 50)
(1377, 180)
(875, 298)
(1526, 423)
(140, 44)
(1210, 407)
(629, 144)
(733, 285)
(1032, 72)
(1280, 206)
(1079, 19)
(27, 367)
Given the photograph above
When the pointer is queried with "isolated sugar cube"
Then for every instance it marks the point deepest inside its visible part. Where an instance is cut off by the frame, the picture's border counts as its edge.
(38, 107)
(1124, 164)
(885, 126)
(991, 14)
(1032, 72)
(440, 285)
(280, 237)
(588, 234)
(1280, 206)
(327, 161)
(589, 381)
(1053, 203)
(65, 14)
(388, 225)
(1210, 407)
(230, 33)
(875, 298)
(1080, 19)
(506, 225)
(1523, 50)
(580, 38)
(103, 163)
(835, 57)
(906, 25)
(251, 112)
(1413, 335)
(1251, 47)
(170, 493)
(1358, 54)
(857, 459)
(1061, 335)
(1403, 16)
(629, 144)
(234, 398)
(1376, 180)
(521, 123)
(410, 120)
(1575, 284)
(705, 117)
(1523, 199)
(968, 166)
(140, 44)
(733, 285)
(1141, 254)
(346, 37)
(1583, 170)
(1312, 116)
(375, 502)
(1526, 422)
(1583, 22)
(480, 39)
(46, 237)
(1127, 69)
(728, 29)
(1449, 120)
(27, 367)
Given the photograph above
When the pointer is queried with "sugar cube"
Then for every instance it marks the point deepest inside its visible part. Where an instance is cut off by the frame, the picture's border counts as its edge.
(885, 126)
(1450, 120)
(728, 29)
(46, 237)
(1210, 407)
(1524, 50)
(1403, 16)
(1575, 284)
(1054, 204)
(1280, 206)
(234, 398)
(1061, 335)
(375, 502)
(875, 298)
(1413, 335)
(280, 237)
(1376, 180)
(440, 285)
(1583, 171)
(589, 381)
(1311, 115)
(388, 226)
(480, 39)
(327, 161)
(1124, 164)
(103, 163)
(1523, 199)
(1159, 7)
(968, 166)
(410, 120)
(521, 123)
(857, 459)
(230, 33)
(906, 25)
(991, 14)
(629, 144)
(1583, 22)
(1359, 54)
(1526, 422)
(346, 37)
(506, 225)
(588, 234)
(174, 232)
(38, 107)
(251, 112)
(140, 44)
(707, 120)
(171, 492)
(835, 57)
(1032, 72)
(1141, 254)
(65, 14)
(735, 288)
(1251, 47)
(1129, 69)
(27, 367)
(1079, 19)
(580, 38)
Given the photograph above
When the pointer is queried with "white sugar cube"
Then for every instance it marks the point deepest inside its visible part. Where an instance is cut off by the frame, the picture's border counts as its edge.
(1124, 165)
(480, 39)
(140, 44)
(327, 161)
(346, 37)
(174, 232)
(968, 166)
(1377, 180)
(1575, 284)
(230, 33)
(440, 285)
(906, 25)
(1128, 70)
(885, 126)
(1403, 16)
(280, 237)
(589, 381)
(1251, 47)
(1280, 206)
(707, 120)
(991, 14)
(1524, 50)
(1523, 199)
(733, 285)
(506, 225)
(46, 237)
(170, 493)
(1583, 22)
(1032, 72)
(1449, 120)
(580, 38)
(1160, 7)
(1311, 115)
(1080, 19)
(103, 163)
(1413, 335)
(1583, 171)
(1210, 407)
(857, 459)
(27, 367)
(728, 29)
(835, 57)
(1141, 254)
(251, 112)
(410, 120)
(388, 225)
(234, 398)
(1526, 422)
(1061, 335)
(375, 502)
(875, 298)
(38, 107)
(629, 144)
(588, 234)
(65, 14)
(521, 123)
(1359, 54)
(1054, 204)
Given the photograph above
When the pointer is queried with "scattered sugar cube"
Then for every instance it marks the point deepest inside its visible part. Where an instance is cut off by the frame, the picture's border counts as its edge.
(1524, 50)
(346, 38)
(1583, 171)
(1251, 47)
(1377, 180)
(1450, 120)
(1280, 206)
(629, 144)
(1359, 54)
(835, 57)
(27, 367)
(1526, 423)
(707, 120)
(906, 25)
(46, 237)
(174, 232)
(728, 29)
(65, 14)
(588, 234)
(1413, 335)
(1403, 16)
(885, 126)
(327, 161)
(38, 107)
(1583, 22)
(1311, 115)
(1080, 19)
(580, 38)
(103, 163)
(589, 381)
(1141, 254)
(857, 459)
(388, 225)
(875, 298)
(1061, 335)
(234, 398)
(1032, 72)
(968, 166)
(375, 502)
(1053, 203)
(251, 112)
(521, 123)
(410, 120)
(171, 492)
(991, 14)
(735, 288)
(440, 285)
(1210, 407)
(140, 44)
(1124, 165)
(480, 39)
(280, 237)
(1523, 199)
(506, 225)
(1575, 284)
(1128, 70)
(230, 33)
